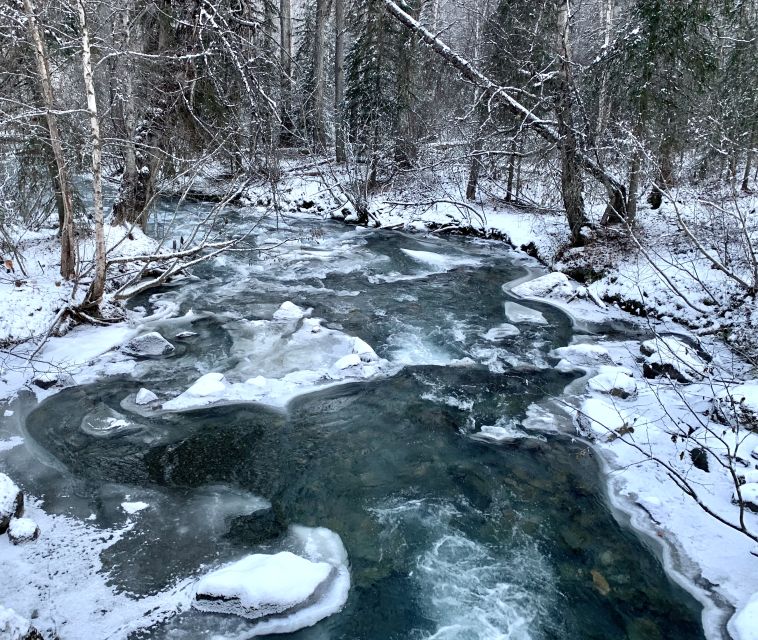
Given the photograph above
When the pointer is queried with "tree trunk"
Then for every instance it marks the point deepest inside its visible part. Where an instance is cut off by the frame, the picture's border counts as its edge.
(405, 151)
(68, 239)
(606, 12)
(476, 167)
(339, 80)
(317, 108)
(748, 164)
(568, 146)
(634, 185)
(285, 59)
(509, 196)
(95, 293)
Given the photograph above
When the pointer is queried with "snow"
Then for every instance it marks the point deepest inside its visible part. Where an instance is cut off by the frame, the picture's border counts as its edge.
(749, 494)
(554, 284)
(289, 311)
(134, 507)
(744, 625)
(8, 497)
(584, 355)
(616, 381)
(261, 585)
(145, 396)
(440, 261)
(671, 356)
(518, 313)
(151, 344)
(12, 625)
(11, 443)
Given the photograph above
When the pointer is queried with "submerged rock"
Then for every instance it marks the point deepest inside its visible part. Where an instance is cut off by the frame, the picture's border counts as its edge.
(21, 530)
(149, 345)
(263, 585)
(11, 502)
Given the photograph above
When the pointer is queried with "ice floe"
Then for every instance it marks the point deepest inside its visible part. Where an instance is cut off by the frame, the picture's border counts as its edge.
(520, 314)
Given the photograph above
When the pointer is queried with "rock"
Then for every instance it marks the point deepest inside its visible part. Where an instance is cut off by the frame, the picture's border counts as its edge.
(615, 381)
(45, 380)
(21, 530)
(184, 335)
(149, 345)
(749, 493)
(699, 457)
(518, 313)
(16, 627)
(672, 358)
(501, 332)
(289, 311)
(262, 585)
(256, 528)
(551, 285)
(11, 502)
(145, 396)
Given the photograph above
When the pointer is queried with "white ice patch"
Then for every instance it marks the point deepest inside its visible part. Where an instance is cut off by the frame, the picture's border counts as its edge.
(289, 311)
(503, 431)
(11, 443)
(134, 507)
(520, 314)
(145, 396)
(440, 261)
(584, 355)
(501, 332)
(744, 625)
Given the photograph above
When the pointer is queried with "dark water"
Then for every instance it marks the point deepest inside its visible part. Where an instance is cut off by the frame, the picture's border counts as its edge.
(448, 536)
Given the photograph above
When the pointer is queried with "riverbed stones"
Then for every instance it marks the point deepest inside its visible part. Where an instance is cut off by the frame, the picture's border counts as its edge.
(262, 585)
(149, 345)
(22, 530)
(11, 502)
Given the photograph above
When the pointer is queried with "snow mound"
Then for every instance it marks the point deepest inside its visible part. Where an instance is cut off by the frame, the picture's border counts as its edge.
(501, 332)
(749, 493)
(518, 313)
(439, 261)
(584, 355)
(669, 356)
(745, 622)
(615, 381)
(134, 507)
(551, 285)
(13, 626)
(599, 417)
(11, 502)
(148, 345)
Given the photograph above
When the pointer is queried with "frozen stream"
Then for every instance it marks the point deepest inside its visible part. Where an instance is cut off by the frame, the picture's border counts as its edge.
(450, 535)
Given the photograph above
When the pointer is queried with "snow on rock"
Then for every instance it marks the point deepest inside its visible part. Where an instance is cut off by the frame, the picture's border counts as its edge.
(584, 355)
(286, 591)
(148, 345)
(289, 311)
(671, 357)
(744, 625)
(518, 313)
(739, 404)
(749, 494)
(551, 285)
(208, 385)
(262, 585)
(11, 502)
(501, 332)
(440, 261)
(600, 417)
(16, 627)
(22, 530)
(615, 381)
(145, 396)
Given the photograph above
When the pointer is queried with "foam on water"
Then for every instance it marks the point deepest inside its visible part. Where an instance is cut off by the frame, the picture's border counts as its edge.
(471, 590)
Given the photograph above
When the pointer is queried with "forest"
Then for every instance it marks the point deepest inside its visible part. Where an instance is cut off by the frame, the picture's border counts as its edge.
(378, 319)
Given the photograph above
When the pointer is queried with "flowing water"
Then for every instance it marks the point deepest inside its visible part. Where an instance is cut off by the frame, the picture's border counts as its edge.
(449, 535)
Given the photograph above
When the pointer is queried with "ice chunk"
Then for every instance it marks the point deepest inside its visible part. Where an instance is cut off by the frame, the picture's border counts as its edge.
(145, 396)
(148, 345)
(11, 502)
(501, 332)
(669, 356)
(289, 311)
(440, 261)
(22, 530)
(551, 285)
(518, 313)
(350, 360)
(615, 381)
(503, 431)
(134, 507)
(262, 585)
